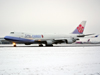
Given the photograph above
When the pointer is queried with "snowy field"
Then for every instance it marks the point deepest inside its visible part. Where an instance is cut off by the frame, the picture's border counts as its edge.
(50, 60)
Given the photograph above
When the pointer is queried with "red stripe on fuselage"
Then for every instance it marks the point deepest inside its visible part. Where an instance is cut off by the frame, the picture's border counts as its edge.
(42, 36)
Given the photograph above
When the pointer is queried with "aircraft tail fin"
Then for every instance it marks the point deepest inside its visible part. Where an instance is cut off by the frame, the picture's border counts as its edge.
(96, 35)
(88, 40)
(80, 28)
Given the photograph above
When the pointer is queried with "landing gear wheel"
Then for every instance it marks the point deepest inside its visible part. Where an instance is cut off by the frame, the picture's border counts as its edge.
(14, 45)
(49, 45)
(40, 45)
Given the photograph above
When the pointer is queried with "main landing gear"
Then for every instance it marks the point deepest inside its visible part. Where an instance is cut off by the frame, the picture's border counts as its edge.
(40, 45)
(14, 44)
(49, 45)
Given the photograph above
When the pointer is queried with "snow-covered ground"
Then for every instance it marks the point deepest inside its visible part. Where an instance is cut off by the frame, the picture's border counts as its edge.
(49, 60)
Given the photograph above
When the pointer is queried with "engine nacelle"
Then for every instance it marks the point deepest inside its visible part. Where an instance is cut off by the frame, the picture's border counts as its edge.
(49, 42)
(75, 38)
(69, 41)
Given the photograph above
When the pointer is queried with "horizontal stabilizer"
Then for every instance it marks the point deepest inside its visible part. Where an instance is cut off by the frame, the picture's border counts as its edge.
(83, 35)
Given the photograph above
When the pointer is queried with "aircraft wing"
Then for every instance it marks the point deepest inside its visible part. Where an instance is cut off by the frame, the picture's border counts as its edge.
(57, 40)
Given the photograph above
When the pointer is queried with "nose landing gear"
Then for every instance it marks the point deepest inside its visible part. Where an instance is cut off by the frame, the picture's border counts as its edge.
(14, 44)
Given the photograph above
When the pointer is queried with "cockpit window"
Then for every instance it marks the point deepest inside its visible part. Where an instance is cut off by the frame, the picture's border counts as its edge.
(11, 32)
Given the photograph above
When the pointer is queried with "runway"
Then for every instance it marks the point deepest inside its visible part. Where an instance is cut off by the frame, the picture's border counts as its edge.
(55, 45)
(23, 60)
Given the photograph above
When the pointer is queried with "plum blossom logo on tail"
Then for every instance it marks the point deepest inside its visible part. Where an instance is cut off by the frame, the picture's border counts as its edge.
(80, 28)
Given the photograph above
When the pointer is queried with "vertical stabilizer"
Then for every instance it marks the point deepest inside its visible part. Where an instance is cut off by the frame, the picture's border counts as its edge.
(80, 28)
(88, 40)
(96, 35)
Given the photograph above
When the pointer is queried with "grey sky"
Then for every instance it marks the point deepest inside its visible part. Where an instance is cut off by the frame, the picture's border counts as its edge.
(48, 16)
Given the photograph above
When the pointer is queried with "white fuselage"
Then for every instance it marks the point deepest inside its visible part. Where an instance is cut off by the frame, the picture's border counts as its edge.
(41, 36)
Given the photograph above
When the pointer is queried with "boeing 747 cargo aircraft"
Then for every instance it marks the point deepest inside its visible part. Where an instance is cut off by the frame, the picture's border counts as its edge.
(47, 39)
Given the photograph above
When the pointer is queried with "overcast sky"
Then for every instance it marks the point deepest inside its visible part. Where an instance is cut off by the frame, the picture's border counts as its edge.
(48, 16)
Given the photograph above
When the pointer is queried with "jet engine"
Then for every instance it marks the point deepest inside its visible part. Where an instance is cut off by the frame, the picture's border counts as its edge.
(69, 41)
(49, 42)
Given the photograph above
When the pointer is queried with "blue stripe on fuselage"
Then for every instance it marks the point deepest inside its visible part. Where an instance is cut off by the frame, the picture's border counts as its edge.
(18, 39)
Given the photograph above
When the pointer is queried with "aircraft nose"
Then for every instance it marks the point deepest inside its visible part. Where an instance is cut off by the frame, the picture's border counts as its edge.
(6, 37)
